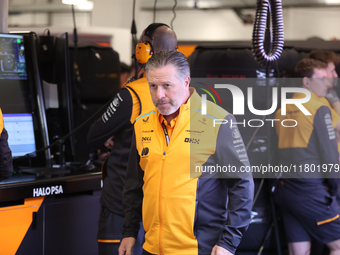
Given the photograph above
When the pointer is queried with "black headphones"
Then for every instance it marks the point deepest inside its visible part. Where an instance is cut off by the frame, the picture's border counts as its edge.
(144, 50)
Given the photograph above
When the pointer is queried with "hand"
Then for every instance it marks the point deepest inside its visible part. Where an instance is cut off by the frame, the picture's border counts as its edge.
(331, 96)
(102, 155)
(126, 246)
(218, 250)
(109, 143)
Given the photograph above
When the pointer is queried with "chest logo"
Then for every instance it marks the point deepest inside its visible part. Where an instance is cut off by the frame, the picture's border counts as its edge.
(145, 151)
(192, 140)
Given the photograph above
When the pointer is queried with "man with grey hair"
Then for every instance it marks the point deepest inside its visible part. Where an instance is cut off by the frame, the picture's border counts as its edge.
(114, 130)
(190, 205)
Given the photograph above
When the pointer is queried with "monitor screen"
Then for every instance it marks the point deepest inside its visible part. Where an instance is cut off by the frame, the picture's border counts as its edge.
(12, 57)
(15, 93)
(21, 137)
(16, 100)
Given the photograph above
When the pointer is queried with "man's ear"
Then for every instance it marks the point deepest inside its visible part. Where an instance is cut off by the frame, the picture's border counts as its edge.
(187, 82)
(306, 82)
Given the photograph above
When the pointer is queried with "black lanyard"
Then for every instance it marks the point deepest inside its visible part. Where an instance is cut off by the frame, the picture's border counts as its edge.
(166, 133)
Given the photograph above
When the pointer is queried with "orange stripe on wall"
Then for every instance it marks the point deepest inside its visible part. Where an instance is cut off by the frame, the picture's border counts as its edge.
(14, 223)
(103, 44)
(186, 49)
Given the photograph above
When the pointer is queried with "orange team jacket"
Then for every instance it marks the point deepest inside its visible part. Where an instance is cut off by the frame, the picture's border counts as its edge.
(191, 191)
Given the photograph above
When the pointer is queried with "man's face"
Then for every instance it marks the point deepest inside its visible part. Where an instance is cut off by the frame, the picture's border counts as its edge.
(331, 73)
(318, 83)
(168, 90)
(330, 70)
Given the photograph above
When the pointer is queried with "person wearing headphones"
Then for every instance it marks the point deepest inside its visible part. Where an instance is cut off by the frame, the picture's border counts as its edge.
(6, 161)
(306, 195)
(115, 128)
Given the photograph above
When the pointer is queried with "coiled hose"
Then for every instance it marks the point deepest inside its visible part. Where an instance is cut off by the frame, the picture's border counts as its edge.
(264, 7)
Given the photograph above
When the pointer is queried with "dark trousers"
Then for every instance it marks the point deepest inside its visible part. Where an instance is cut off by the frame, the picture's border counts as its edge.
(147, 253)
(109, 235)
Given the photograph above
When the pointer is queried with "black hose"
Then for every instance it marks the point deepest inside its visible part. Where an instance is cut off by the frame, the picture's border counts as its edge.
(258, 48)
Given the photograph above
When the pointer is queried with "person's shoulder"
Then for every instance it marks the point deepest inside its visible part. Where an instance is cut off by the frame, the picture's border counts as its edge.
(315, 104)
(216, 110)
(212, 109)
(139, 86)
(136, 83)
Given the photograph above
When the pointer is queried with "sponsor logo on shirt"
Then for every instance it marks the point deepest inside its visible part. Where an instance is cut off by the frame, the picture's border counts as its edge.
(112, 108)
(203, 120)
(192, 140)
(330, 129)
(194, 132)
(146, 139)
(145, 151)
(236, 133)
(147, 131)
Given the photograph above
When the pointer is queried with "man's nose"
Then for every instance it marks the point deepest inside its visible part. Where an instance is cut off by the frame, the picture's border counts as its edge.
(160, 93)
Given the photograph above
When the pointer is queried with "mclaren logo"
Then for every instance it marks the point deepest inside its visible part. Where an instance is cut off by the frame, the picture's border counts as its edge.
(147, 131)
(145, 151)
(146, 120)
(192, 140)
(146, 139)
(194, 131)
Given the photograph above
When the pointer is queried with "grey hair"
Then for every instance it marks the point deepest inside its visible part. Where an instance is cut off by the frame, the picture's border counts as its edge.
(169, 57)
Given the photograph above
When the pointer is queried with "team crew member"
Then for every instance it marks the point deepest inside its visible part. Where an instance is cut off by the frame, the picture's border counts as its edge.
(331, 60)
(308, 204)
(185, 211)
(6, 161)
(117, 121)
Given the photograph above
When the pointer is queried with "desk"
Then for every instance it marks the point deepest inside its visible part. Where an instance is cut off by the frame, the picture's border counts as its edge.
(53, 215)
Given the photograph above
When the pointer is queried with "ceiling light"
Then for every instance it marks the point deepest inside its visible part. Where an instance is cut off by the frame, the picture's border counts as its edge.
(81, 4)
(332, 1)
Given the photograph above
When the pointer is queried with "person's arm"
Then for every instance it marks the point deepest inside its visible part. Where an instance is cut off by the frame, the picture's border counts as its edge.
(6, 161)
(336, 107)
(333, 100)
(132, 200)
(328, 148)
(230, 149)
(116, 116)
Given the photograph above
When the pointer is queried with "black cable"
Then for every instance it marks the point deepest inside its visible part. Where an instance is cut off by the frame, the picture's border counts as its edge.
(74, 16)
(62, 140)
(76, 73)
(133, 26)
(48, 32)
(258, 49)
(154, 11)
(174, 12)
(134, 37)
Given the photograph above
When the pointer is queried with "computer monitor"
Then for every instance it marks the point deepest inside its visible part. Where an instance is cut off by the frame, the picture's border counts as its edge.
(21, 99)
(21, 139)
(12, 57)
